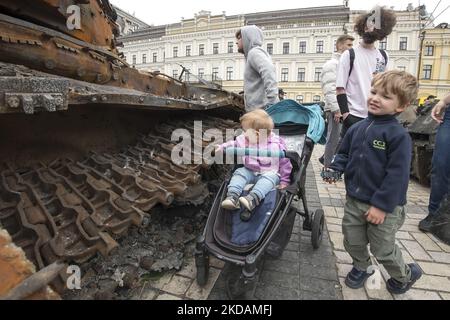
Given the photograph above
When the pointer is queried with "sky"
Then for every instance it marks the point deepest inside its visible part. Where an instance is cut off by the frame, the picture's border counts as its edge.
(171, 11)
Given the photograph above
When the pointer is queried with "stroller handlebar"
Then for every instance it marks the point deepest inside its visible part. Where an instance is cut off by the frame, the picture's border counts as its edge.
(256, 152)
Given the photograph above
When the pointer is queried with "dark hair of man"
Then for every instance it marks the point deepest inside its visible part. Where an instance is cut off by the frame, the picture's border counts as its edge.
(238, 34)
(388, 21)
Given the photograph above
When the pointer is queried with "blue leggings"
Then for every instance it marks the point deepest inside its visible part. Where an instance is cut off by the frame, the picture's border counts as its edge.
(264, 182)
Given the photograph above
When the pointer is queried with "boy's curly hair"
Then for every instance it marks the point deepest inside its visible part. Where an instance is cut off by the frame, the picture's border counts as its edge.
(387, 18)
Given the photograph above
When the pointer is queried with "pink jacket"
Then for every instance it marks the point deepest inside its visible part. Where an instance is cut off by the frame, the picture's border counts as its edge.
(283, 166)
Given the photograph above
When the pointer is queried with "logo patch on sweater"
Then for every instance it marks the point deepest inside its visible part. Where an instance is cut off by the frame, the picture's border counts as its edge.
(381, 145)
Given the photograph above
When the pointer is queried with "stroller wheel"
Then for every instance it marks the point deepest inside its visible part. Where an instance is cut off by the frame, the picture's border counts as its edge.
(318, 222)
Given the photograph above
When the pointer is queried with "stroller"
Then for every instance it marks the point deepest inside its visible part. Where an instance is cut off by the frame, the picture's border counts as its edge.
(293, 122)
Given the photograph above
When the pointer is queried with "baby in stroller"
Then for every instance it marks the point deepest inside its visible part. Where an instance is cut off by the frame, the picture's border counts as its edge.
(266, 173)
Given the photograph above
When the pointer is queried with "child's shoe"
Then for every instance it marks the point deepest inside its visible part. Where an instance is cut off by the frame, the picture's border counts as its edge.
(250, 202)
(396, 287)
(231, 203)
(355, 279)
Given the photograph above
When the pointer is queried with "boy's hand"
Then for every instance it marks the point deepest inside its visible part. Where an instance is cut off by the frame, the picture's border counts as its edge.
(438, 112)
(330, 176)
(375, 216)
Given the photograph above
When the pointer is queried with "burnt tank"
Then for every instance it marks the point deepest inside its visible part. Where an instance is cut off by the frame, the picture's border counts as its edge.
(85, 147)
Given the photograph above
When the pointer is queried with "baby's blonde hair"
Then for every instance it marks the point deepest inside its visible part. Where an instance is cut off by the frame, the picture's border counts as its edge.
(400, 83)
(258, 120)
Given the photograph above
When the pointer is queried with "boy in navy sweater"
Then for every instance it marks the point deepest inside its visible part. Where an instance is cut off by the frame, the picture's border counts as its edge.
(375, 157)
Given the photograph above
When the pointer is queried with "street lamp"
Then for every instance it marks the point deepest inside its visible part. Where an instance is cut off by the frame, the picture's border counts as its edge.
(419, 68)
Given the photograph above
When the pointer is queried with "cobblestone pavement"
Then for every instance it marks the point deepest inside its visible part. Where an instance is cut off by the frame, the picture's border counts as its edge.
(306, 274)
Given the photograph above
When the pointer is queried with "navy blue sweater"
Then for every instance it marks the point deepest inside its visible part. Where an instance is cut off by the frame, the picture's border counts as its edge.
(375, 157)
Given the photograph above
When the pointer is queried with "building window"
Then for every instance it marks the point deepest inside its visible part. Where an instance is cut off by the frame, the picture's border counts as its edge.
(229, 73)
(383, 44)
(144, 58)
(175, 52)
(334, 46)
(215, 73)
(301, 75)
(285, 47)
(188, 51)
(134, 59)
(299, 99)
(427, 69)
(187, 75)
(155, 57)
(201, 50)
(316, 99)
(230, 47)
(319, 46)
(175, 74)
(215, 48)
(285, 75)
(317, 74)
(201, 73)
(429, 50)
(401, 68)
(302, 47)
(403, 43)
(270, 48)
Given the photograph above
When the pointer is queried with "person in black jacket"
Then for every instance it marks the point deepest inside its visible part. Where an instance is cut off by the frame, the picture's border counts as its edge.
(375, 157)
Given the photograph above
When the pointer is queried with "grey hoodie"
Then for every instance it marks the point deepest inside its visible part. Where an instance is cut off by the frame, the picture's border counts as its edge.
(260, 84)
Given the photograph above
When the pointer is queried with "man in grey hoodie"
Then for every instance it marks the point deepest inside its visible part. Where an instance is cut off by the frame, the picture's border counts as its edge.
(260, 84)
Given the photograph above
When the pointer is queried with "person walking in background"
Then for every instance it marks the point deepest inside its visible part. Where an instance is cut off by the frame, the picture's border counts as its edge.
(358, 66)
(260, 82)
(440, 172)
(332, 112)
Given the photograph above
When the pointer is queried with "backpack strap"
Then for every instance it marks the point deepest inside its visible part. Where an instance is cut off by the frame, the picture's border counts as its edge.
(352, 60)
(384, 54)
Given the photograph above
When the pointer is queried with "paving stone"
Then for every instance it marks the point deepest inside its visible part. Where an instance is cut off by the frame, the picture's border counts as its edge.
(409, 228)
(272, 292)
(436, 269)
(318, 271)
(196, 292)
(188, 270)
(426, 242)
(416, 251)
(445, 296)
(336, 221)
(216, 263)
(352, 294)
(338, 240)
(286, 281)
(407, 257)
(329, 212)
(402, 235)
(376, 289)
(161, 282)
(288, 267)
(334, 228)
(412, 222)
(167, 297)
(148, 294)
(440, 257)
(414, 294)
(343, 257)
(433, 283)
(290, 256)
(343, 269)
(340, 212)
(178, 285)
(310, 296)
(325, 287)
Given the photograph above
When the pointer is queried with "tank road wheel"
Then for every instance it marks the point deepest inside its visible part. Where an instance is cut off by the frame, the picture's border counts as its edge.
(318, 222)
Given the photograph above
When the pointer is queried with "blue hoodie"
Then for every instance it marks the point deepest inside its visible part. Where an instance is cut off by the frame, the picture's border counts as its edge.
(375, 157)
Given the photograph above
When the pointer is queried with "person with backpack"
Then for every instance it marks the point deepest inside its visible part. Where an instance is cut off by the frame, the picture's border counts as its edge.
(359, 65)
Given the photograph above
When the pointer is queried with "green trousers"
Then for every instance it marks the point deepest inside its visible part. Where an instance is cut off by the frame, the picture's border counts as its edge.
(358, 233)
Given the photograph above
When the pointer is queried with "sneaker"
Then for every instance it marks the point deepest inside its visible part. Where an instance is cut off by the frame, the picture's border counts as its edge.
(355, 279)
(396, 287)
(231, 203)
(250, 202)
(425, 224)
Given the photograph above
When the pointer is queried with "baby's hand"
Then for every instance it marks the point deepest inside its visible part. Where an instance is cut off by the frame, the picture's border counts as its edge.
(283, 186)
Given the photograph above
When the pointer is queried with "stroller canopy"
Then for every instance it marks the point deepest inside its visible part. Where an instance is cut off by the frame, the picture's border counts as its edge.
(290, 112)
